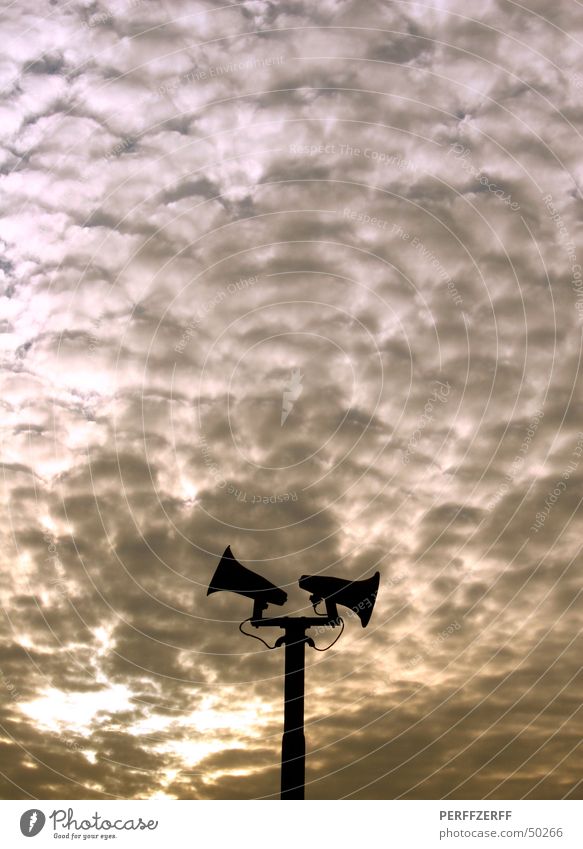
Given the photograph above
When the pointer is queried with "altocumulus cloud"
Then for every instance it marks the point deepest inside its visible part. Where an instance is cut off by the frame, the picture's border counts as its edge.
(401, 184)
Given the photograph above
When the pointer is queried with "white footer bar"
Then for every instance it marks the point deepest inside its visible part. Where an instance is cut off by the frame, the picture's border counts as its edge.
(247, 825)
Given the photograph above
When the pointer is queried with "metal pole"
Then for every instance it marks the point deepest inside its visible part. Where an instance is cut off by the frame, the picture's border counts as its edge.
(293, 746)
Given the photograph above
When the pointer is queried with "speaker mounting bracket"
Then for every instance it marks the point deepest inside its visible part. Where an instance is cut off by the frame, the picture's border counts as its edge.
(295, 622)
(258, 607)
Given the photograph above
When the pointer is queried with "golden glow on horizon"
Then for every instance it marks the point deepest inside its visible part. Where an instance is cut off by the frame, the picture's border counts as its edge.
(56, 710)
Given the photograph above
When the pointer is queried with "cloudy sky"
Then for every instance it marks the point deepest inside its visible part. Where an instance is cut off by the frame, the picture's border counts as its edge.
(302, 278)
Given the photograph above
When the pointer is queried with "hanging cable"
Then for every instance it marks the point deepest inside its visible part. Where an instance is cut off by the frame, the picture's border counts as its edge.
(255, 637)
(334, 641)
(315, 606)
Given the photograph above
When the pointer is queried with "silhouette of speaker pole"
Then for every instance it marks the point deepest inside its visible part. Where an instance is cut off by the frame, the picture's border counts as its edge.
(357, 596)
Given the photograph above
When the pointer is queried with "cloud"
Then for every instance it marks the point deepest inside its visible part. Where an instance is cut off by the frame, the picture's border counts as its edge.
(199, 203)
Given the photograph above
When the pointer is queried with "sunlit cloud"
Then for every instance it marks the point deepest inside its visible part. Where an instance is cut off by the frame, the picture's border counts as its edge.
(318, 299)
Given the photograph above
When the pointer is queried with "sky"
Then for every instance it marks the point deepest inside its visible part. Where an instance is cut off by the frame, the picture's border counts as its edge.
(303, 279)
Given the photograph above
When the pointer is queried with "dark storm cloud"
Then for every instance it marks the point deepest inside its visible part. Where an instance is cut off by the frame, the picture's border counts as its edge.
(200, 203)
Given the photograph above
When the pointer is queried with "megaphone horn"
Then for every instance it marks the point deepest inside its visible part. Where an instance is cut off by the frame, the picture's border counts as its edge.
(231, 576)
(359, 596)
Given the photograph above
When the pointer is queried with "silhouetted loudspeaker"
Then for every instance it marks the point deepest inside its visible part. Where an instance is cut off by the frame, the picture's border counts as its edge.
(359, 596)
(230, 576)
